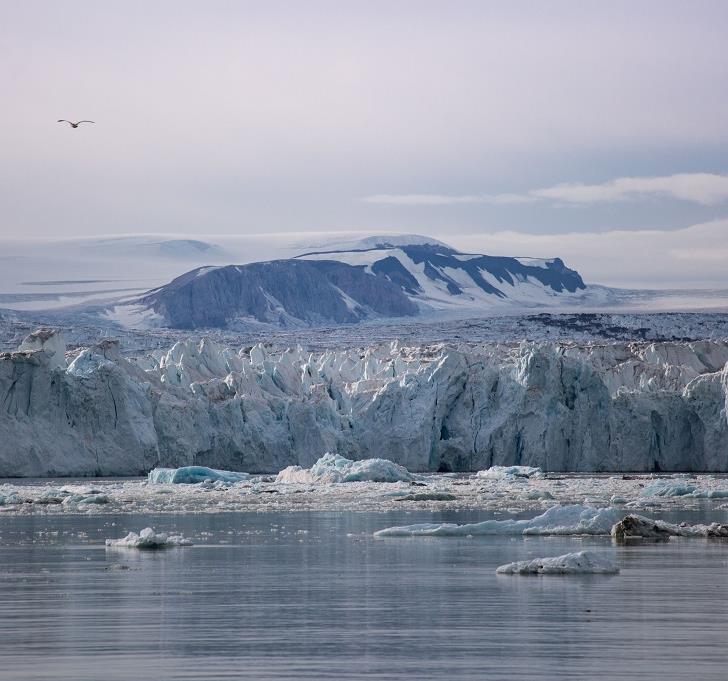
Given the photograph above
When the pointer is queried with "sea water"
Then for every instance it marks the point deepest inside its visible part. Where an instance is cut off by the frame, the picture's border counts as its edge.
(313, 595)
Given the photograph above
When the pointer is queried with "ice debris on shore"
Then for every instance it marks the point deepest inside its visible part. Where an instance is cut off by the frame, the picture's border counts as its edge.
(148, 539)
(558, 520)
(507, 472)
(639, 527)
(190, 475)
(579, 563)
(333, 468)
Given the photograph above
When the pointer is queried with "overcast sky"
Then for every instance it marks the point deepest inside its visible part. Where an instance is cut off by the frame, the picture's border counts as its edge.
(549, 122)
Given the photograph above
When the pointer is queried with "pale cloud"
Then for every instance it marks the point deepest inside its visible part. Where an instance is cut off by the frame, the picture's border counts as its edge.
(691, 257)
(702, 188)
(445, 199)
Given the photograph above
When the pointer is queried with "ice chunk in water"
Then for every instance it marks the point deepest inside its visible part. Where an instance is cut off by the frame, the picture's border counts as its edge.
(83, 499)
(191, 475)
(331, 468)
(148, 539)
(579, 563)
(558, 520)
(505, 472)
(10, 499)
(663, 488)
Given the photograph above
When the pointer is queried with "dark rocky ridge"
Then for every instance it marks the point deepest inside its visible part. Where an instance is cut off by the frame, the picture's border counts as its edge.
(283, 292)
(313, 291)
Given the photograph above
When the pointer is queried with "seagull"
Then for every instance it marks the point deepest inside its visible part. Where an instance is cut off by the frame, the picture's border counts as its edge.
(73, 125)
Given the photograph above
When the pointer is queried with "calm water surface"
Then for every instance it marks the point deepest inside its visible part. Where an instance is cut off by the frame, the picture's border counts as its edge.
(314, 596)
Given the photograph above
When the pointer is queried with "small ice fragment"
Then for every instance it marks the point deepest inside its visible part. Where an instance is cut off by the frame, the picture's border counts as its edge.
(579, 563)
(86, 499)
(428, 496)
(505, 472)
(536, 494)
(148, 539)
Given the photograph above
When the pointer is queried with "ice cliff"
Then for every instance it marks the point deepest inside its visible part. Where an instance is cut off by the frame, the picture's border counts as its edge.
(560, 407)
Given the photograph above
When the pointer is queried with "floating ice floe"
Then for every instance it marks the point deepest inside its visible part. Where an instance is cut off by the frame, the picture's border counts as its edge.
(505, 472)
(639, 527)
(580, 563)
(83, 499)
(710, 494)
(664, 488)
(148, 539)
(333, 468)
(10, 499)
(428, 496)
(559, 520)
(535, 494)
(71, 496)
(190, 475)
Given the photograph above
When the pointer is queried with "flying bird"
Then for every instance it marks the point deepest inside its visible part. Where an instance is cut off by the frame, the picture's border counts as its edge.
(71, 123)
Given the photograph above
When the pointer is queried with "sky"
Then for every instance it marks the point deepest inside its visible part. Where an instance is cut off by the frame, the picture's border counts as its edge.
(587, 129)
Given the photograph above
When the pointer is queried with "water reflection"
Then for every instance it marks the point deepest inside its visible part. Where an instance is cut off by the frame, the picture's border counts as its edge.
(314, 596)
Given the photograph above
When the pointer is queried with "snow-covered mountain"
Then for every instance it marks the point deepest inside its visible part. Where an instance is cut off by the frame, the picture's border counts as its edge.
(438, 277)
(378, 277)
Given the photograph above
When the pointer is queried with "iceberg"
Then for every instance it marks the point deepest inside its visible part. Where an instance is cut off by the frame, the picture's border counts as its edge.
(558, 520)
(52, 496)
(667, 489)
(10, 499)
(579, 563)
(664, 488)
(709, 494)
(148, 539)
(190, 475)
(505, 472)
(333, 468)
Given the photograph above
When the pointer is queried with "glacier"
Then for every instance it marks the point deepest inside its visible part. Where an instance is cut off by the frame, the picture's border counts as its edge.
(447, 407)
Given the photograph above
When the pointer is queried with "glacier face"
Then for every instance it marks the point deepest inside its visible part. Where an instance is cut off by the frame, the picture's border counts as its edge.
(560, 407)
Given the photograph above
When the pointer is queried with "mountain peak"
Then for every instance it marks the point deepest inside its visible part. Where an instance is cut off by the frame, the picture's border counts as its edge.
(377, 242)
